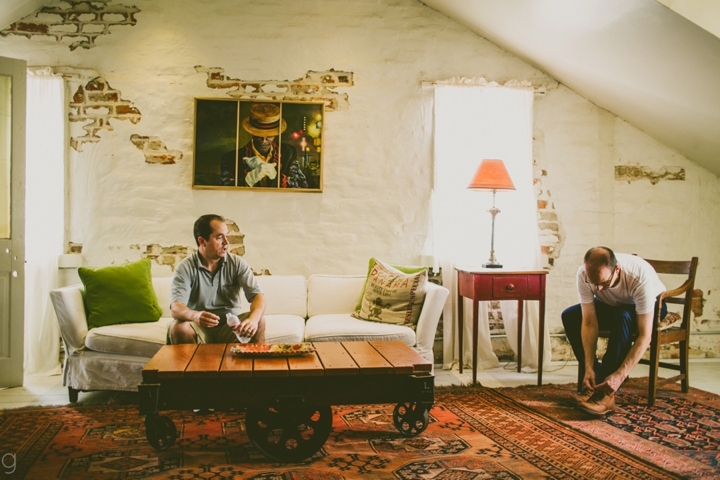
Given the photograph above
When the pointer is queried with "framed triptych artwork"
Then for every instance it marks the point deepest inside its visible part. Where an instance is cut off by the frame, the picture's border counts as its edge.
(248, 145)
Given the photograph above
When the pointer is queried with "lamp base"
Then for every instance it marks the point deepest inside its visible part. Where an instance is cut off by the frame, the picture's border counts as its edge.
(491, 265)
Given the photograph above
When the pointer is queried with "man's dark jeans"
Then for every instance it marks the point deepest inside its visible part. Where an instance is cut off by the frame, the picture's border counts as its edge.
(620, 321)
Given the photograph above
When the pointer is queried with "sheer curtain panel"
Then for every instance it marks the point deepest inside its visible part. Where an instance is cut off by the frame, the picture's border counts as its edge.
(473, 123)
(44, 218)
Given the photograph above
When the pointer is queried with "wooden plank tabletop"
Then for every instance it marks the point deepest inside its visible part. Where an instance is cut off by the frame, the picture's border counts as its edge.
(270, 367)
(206, 361)
(370, 361)
(335, 359)
(169, 362)
(234, 366)
(330, 358)
(306, 366)
(404, 360)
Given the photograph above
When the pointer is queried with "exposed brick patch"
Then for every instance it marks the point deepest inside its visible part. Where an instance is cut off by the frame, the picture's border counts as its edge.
(99, 103)
(262, 271)
(167, 255)
(632, 173)
(314, 87)
(74, 247)
(697, 302)
(552, 235)
(81, 20)
(155, 150)
(174, 254)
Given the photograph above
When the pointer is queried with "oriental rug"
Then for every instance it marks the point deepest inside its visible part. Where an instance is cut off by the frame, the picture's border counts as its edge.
(473, 433)
(680, 433)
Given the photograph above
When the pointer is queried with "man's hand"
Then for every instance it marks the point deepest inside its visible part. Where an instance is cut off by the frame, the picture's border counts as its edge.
(589, 380)
(248, 327)
(612, 383)
(206, 319)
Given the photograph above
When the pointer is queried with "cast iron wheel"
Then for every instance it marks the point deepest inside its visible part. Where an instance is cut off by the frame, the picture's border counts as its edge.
(289, 434)
(411, 418)
(160, 431)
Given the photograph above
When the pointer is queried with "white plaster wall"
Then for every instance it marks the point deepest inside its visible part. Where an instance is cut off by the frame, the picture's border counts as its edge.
(377, 154)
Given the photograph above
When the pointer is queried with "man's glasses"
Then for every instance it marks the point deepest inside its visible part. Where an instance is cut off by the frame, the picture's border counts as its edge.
(609, 283)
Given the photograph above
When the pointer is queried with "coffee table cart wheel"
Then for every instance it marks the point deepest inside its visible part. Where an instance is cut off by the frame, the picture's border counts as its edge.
(160, 431)
(289, 434)
(411, 418)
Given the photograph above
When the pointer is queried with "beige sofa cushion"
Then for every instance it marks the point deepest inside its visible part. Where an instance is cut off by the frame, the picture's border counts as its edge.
(284, 329)
(284, 295)
(328, 294)
(143, 340)
(345, 328)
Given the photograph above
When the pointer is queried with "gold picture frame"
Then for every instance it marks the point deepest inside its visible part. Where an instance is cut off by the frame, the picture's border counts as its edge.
(258, 145)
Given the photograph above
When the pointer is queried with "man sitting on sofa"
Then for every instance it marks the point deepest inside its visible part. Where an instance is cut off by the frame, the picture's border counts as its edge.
(207, 285)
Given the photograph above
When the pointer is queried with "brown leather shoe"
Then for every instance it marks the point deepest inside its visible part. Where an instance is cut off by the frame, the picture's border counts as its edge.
(583, 396)
(599, 404)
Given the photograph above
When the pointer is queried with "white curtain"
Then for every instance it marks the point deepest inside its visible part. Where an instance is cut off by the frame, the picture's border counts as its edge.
(44, 218)
(473, 123)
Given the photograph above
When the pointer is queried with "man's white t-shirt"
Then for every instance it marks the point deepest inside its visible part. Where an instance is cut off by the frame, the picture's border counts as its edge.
(639, 285)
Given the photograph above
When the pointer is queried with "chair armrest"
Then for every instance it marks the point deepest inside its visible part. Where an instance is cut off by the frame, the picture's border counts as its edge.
(70, 311)
(675, 292)
(435, 297)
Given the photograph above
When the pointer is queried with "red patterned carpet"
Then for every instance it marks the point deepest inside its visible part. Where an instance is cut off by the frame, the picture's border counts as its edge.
(681, 433)
(474, 433)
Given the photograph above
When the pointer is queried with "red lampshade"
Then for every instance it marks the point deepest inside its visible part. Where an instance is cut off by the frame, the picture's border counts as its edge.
(492, 175)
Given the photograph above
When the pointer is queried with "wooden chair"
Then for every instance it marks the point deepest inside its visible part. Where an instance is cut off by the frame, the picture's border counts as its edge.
(681, 334)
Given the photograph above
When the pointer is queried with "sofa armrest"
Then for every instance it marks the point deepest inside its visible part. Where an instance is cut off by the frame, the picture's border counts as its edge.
(70, 311)
(435, 297)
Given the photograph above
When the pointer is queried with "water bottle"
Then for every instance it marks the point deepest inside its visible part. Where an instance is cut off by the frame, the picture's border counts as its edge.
(232, 320)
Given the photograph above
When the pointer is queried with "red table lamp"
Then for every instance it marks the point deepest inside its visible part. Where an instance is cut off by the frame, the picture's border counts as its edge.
(492, 175)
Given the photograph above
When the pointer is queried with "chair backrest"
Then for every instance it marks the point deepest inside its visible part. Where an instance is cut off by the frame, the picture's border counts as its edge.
(681, 295)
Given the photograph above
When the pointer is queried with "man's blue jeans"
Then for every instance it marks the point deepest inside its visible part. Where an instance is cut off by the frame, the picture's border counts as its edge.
(620, 321)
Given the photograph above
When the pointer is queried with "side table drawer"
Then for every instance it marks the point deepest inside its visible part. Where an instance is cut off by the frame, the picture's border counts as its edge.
(504, 288)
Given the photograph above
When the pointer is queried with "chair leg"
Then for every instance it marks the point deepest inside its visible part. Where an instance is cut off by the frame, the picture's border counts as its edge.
(653, 374)
(684, 365)
(73, 394)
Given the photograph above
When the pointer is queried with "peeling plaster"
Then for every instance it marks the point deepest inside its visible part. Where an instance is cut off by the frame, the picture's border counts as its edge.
(314, 87)
(174, 254)
(632, 173)
(155, 150)
(98, 102)
(551, 232)
(78, 19)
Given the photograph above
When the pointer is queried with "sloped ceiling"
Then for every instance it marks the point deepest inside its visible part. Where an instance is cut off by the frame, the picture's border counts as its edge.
(13, 10)
(636, 58)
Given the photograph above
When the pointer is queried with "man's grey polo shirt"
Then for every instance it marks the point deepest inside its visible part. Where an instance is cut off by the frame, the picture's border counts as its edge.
(195, 287)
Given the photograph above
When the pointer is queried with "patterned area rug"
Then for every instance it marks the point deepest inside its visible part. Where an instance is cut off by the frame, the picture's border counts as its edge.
(681, 433)
(474, 433)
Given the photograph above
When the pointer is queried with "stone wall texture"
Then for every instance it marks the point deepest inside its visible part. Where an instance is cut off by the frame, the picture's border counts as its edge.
(81, 21)
(378, 142)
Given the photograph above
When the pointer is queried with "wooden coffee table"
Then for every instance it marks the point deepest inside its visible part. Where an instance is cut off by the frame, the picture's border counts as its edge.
(288, 399)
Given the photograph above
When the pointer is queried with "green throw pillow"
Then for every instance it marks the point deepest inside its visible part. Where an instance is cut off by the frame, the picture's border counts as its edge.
(404, 269)
(120, 294)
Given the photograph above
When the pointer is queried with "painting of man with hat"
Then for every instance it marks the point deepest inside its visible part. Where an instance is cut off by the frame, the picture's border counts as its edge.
(263, 161)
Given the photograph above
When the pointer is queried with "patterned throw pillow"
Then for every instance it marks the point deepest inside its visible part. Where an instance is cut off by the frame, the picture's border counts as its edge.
(392, 296)
(402, 268)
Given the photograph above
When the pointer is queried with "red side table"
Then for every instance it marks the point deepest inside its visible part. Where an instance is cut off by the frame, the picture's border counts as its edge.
(486, 284)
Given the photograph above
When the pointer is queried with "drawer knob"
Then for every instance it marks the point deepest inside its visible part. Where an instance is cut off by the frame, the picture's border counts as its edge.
(509, 287)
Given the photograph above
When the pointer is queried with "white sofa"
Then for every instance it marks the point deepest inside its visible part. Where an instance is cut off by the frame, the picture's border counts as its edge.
(316, 309)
